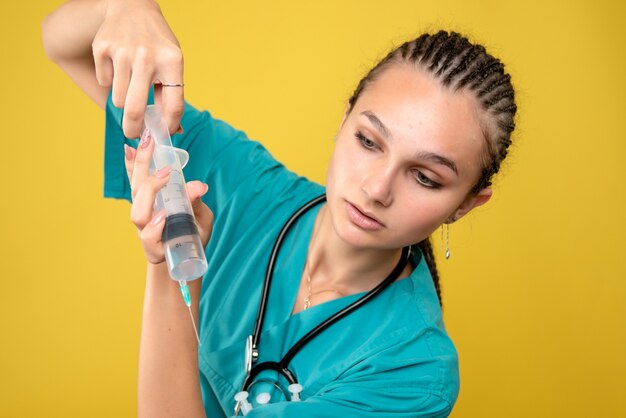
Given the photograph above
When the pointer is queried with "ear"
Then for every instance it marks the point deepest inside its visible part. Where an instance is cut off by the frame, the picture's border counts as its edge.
(471, 202)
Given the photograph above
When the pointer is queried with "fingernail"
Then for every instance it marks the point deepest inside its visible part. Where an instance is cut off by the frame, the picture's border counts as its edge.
(158, 217)
(180, 129)
(206, 189)
(145, 139)
(163, 172)
(128, 152)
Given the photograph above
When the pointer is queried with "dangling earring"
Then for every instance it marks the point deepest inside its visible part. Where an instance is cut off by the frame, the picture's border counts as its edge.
(447, 239)
(447, 226)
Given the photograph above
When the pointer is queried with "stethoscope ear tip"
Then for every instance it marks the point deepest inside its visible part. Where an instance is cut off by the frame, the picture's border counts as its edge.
(263, 398)
(295, 389)
(241, 396)
(242, 402)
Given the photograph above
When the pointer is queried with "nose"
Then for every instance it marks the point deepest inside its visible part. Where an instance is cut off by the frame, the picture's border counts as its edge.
(377, 184)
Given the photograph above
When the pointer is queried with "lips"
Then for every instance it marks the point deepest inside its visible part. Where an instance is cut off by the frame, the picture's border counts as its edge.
(362, 219)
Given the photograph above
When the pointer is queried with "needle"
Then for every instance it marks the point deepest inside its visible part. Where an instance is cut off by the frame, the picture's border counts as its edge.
(184, 289)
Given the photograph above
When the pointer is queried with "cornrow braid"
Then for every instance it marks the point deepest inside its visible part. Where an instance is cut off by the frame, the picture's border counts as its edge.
(460, 66)
(427, 251)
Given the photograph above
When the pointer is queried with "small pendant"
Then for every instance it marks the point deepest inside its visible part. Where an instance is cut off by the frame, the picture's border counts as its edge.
(447, 253)
(307, 303)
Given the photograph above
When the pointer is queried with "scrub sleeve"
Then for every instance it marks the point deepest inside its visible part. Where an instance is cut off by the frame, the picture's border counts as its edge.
(391, 358)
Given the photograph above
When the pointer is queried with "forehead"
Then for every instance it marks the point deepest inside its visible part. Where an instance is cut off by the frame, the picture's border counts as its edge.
(417, 109)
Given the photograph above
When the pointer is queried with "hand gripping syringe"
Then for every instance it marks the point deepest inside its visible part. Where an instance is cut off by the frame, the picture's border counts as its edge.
(184, 252)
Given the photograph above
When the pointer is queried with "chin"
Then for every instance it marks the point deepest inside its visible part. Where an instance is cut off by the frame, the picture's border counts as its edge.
(356, 237)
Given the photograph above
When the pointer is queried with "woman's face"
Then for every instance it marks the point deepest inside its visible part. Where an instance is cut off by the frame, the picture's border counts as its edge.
(405, 159)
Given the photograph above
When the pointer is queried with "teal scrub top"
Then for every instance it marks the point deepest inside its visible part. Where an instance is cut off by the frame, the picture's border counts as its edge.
(390, 358)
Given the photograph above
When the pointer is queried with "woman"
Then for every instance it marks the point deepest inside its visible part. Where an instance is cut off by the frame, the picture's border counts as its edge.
(420, 140)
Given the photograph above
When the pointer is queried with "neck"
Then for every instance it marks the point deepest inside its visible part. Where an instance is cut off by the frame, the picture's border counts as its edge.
(334, 263)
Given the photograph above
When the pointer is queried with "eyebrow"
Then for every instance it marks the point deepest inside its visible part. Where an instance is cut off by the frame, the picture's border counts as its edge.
(430, 156)
(436, 158)
(377, 123)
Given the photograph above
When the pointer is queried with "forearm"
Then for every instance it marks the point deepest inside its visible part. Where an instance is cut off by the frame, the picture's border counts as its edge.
(67, 34)
(69, 31)
(169, 382)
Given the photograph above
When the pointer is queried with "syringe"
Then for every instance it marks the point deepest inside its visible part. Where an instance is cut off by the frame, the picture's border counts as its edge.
(184, 252)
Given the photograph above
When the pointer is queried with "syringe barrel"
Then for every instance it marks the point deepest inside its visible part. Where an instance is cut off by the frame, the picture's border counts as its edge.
(184, 252)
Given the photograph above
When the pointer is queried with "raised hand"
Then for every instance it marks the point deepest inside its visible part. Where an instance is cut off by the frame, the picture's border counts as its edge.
(144, 188)
(133, 49)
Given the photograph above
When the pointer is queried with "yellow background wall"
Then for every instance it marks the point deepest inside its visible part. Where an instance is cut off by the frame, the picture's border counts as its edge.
(534, 292)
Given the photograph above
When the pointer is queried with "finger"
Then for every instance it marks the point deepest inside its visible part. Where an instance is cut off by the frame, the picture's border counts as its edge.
(143, 156)
(129, 158)
(172, 98)
(150, 237)
(104, 68)
(173, 104)
(136, 99)
(143, 202)
(195, 190)
(158, 89)
(121, 78)
(202, 213)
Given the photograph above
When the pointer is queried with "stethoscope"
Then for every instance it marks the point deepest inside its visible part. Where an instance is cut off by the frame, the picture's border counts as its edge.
(252, 343)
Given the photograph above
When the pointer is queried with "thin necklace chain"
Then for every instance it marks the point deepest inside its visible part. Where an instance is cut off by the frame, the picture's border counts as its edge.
(307, 300)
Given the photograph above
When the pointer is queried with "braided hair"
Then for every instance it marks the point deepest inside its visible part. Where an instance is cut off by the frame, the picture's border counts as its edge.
(460, 66)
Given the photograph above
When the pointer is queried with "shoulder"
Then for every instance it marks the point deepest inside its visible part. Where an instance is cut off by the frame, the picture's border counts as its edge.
(411, 345)
(396, 346)
(428, 334)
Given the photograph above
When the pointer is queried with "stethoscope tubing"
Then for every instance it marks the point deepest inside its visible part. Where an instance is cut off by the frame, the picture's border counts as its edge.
(260, 317)
(404, 258)
(282, 366)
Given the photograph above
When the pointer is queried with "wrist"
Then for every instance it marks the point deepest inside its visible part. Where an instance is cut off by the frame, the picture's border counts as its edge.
(123, 6)
(160, 267)
(159, 284)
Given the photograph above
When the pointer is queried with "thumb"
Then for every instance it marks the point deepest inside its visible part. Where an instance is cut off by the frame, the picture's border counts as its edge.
(195, 190)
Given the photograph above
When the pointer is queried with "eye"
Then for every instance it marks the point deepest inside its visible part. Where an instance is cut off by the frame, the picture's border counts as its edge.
(365, 142)
(425, 181)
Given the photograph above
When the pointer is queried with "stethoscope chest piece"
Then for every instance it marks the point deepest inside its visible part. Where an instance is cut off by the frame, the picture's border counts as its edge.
(252, 354)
